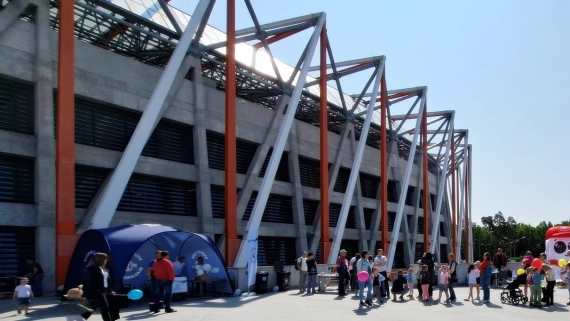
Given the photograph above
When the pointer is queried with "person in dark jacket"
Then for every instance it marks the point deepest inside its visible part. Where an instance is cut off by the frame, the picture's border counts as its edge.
(427, 259)
(98, 289)
(399, 286)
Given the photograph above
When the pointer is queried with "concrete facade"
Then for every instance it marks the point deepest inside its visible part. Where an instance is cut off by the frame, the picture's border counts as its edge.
(29, 53)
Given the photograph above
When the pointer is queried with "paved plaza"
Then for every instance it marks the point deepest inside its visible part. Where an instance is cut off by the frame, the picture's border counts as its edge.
(290, 305)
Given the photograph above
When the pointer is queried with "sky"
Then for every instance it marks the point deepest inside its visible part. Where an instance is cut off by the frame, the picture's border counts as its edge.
(503, 66)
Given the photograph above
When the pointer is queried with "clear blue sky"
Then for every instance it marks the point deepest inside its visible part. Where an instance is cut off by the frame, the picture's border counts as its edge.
(504, 66)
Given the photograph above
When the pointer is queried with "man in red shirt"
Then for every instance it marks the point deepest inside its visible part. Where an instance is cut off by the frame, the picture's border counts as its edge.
(164, 273)
(342, 270)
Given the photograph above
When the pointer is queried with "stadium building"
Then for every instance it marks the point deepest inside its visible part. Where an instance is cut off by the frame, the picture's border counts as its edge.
(128, 112)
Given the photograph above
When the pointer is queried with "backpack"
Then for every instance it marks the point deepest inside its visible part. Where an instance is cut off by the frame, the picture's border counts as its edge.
(489, 270)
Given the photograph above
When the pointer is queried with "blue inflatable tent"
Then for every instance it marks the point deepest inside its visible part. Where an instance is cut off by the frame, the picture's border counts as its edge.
(131, 248)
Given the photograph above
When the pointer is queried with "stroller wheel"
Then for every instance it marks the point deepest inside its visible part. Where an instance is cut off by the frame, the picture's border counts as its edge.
(525, 299)
(504, 298)
(516, 301)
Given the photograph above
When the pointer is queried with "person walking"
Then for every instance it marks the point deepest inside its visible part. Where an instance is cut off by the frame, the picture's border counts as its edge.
(23, 293)
(98, 289)
(164, 273)
(303, 271)
(364, 265)
(312, 271)
(35, 277)
(452, 276)
(342, 270)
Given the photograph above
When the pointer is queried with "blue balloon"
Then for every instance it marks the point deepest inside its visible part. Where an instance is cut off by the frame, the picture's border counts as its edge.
(135, 294)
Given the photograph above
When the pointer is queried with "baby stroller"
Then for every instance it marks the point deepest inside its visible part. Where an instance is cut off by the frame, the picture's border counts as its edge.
(511, 292)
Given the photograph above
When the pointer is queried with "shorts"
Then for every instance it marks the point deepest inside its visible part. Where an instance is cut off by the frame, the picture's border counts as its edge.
(23, 301)
(478, 280)
(443, 287)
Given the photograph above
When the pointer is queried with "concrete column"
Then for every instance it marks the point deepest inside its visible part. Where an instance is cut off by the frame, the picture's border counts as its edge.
(358, 210)
(203, 190)
(297, 201)
(45, 147)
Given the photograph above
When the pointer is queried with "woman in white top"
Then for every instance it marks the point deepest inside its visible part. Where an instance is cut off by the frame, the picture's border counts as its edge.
(364, 265)
(472, 274)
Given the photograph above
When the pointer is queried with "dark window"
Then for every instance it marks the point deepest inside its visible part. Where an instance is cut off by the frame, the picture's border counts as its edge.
(351, 247)
(273, 249)
(342, 180)
(419, 252)
(421, 198)
(410, 196)
(443, 253)
(310, 172)
(17, 179)
(17, 244)
(334, 215)
(150, 194)
(245, 151)
(88, 180)
(111, 127)
(279, 209)
(410, 223)
(369, 185)
(432, 201)
(218, 198)
(368, 213)
(420, 226)
(310, 208)
(391, 221)
(392, 192)
(441, 229)
(16, 106)
(282, 173)
(399, 260)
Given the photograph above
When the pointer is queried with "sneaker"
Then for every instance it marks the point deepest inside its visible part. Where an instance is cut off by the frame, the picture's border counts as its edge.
(466, 300)
(568, 303)
(19, 311)
(170, 311)
(477, 299)
(368, 303)
(361, 304)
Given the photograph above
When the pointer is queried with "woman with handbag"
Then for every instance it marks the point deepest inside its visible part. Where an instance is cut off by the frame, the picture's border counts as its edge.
(98, 289)
(486, 270)
(452, 276)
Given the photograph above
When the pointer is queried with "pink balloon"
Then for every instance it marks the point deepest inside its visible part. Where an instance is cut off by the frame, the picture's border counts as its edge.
(363, 276)
(537, 263)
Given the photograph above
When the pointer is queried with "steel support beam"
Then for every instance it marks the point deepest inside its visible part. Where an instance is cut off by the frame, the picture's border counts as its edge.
(405, 183)
(232, 242)
(453, 198)
(172, 18)
(65, 144)
(265, 188)
(441, 185)
(425, 178)
(383, 206)
(113, 190)
(281, 23)
(324, 149)
(354, 173)
(12, 12)
(468, 200)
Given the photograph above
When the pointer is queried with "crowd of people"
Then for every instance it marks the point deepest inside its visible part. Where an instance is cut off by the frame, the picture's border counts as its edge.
(480, 276)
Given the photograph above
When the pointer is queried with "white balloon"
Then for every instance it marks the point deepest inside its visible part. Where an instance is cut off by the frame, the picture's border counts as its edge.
(199, 273)
(237, 292)
(198, 267)
(215, 270)
(207, 267)
(275, 288)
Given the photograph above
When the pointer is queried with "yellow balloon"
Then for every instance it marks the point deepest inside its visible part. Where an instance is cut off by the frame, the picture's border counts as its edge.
(562, 263)
(520, 271)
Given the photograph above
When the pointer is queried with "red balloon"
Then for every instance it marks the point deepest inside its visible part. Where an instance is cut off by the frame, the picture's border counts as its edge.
(537, 263)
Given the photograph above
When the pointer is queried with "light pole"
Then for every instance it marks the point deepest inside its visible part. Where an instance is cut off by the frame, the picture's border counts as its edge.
(515, 243)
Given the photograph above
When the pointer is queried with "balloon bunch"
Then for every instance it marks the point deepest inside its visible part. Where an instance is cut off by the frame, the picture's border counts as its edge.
(205, 269)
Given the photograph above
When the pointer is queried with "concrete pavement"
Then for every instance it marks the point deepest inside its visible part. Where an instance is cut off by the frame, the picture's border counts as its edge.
(281, 306)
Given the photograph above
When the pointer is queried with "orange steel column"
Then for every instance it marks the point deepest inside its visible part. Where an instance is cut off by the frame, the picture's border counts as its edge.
(427, 205)
(453, 212)
(465, 204)
(324, 124)
(66, 237)
(383, 161)
(232, 242)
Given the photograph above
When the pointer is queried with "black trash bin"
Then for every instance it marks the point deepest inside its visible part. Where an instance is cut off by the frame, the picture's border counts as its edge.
(283, 277)
(261, 281)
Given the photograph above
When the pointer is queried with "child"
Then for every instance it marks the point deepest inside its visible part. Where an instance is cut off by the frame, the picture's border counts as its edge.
(377, 284)
(425, 280)
(23, 293)
(529, 284)
(536, 288)
(312, 277)
(472, 274)
(410, 281)
(478, 279)
(444, 283)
